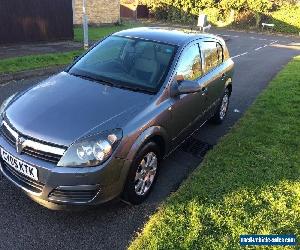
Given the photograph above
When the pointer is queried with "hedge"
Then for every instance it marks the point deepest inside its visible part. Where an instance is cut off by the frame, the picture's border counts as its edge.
(285, 15)
(286, 19)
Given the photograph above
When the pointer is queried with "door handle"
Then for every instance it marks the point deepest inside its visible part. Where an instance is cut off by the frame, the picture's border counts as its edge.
(204, 90)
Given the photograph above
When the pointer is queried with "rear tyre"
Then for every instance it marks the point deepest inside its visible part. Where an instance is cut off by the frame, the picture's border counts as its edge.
(222, 109)
(142, 174)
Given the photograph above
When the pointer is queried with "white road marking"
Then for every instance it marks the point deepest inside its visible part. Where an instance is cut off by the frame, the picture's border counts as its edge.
(228, 35)
(258, 48)
(239, 55)
(256, 38)
(273, 42)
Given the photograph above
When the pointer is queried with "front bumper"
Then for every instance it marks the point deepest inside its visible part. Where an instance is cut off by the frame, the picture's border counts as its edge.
(62, 187)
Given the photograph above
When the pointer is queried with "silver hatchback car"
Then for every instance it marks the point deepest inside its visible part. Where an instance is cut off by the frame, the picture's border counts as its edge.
(99, 129)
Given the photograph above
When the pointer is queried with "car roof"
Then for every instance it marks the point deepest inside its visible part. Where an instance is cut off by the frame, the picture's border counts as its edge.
(167, 35)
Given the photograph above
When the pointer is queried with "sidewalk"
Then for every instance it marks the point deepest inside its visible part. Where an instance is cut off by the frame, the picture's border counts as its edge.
(15, 50)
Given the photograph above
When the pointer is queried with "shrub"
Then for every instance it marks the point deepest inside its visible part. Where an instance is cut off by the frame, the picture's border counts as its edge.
(214, 15)
(285, 14)
(233, 4)
(286, 19)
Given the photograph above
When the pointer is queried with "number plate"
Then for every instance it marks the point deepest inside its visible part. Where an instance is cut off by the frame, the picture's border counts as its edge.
(19, 165)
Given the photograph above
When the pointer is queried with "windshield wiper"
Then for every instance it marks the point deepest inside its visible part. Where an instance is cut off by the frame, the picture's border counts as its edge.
(109, 83)
(93, 79)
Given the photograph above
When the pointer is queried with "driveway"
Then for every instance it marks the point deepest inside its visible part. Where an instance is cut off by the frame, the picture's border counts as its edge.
(26, 225)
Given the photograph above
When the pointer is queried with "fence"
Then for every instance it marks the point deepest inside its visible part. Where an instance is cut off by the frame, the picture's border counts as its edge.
(35, 20)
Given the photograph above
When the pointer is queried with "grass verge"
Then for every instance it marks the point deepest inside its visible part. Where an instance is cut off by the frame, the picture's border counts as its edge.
(16, 64)
(248, 184)
(96, 33)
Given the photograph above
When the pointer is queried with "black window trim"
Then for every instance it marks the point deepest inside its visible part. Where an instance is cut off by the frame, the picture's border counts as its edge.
(189, 45)
(202, 56)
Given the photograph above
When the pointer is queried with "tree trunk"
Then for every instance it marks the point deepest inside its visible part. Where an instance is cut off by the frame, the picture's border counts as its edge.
(257, 19)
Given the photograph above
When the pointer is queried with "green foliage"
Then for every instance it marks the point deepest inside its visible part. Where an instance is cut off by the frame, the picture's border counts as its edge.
(286, 19)
(233, 4)
(285, 2)
(178, 10)
(23, 63)
(96, 33)
(213, 14)
(218, 11)
(248, 184)
(259, 5)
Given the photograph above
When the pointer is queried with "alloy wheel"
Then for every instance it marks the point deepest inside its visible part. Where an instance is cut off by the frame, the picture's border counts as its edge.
(145, 173)
(224, 106)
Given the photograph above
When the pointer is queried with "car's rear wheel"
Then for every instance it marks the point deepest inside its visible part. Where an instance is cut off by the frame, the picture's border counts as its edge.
(142, 174)
(222, 109)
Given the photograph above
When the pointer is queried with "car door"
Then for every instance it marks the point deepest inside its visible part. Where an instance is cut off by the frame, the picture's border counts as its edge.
(212, 54)
(187, 108)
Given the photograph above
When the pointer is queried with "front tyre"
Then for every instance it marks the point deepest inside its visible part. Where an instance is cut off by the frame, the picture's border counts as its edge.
(142, 174)
(222, 109)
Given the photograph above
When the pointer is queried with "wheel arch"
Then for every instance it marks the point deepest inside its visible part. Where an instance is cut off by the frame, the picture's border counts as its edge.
(156, 134)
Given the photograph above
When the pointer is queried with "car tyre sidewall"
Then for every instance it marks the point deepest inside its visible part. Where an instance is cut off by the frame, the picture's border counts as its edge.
(129, 193)
(216, 117)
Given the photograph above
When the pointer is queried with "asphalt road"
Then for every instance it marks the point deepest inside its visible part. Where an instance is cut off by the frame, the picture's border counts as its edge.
(26, 225)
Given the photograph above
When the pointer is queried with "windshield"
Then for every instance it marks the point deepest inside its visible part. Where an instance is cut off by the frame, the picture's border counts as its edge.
(127, 62)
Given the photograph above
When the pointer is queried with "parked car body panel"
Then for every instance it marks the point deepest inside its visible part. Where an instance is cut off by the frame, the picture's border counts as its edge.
(65, 108)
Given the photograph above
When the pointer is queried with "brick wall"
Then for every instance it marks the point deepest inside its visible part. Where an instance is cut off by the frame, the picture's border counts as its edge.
(98, 11)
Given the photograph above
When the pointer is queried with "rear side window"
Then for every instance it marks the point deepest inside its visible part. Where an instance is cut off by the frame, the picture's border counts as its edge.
(190, 63)
(212, 54)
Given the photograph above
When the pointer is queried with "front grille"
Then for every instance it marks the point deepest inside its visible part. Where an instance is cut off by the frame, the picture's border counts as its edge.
(73, 195)
(8, 136)
(46, 156)
(42, 155)
(22, 180)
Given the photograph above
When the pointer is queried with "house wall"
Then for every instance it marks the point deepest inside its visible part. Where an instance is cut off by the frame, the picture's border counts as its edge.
(98, 11)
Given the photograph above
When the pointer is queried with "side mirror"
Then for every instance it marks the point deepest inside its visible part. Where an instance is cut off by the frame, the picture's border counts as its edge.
(187, 86)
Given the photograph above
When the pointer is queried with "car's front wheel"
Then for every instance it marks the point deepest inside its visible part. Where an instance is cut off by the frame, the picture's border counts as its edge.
(222, 109)
(142, 174)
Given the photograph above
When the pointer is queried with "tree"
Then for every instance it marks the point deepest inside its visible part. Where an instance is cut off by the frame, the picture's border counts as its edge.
(233, 4)
(259, 7)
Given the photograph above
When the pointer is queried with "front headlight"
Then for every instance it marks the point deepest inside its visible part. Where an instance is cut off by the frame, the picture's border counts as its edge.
(4, 105)
(91, 151)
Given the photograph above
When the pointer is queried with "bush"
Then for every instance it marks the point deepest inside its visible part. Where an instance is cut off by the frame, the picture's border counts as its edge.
(233, 4)
(213, 14)
(177, 10)
(286, 19)
(284, 13)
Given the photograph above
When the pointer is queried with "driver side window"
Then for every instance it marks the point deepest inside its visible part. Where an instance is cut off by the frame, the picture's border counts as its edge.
(111, 52)
(190, 64)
